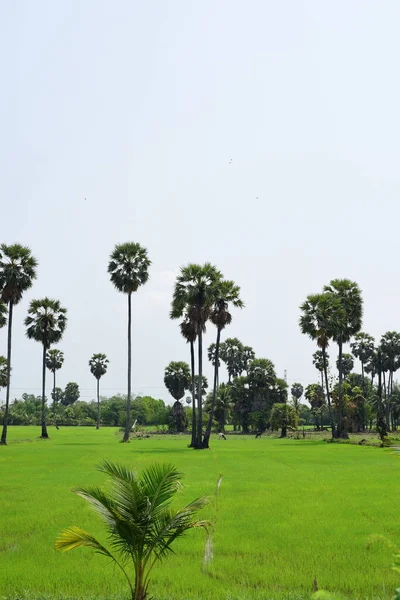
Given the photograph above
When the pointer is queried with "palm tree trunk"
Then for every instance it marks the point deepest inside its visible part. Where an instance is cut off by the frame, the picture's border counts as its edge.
(128, 400)
(200, 392)
(44, 428)
(340, 429)
(3, 441)
(193, 441)
(206, 440)
(328, 395)
(54, 399)
(98, 404)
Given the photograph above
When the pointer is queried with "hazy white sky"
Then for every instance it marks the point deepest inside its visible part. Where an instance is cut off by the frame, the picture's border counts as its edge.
(118, 123)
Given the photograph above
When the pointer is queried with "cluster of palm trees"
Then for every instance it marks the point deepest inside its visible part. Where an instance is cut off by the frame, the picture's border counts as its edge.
(47, 318)
(201, 294)
(336, 315)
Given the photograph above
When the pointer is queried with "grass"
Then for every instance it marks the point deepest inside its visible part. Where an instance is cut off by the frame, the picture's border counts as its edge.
(288, 511)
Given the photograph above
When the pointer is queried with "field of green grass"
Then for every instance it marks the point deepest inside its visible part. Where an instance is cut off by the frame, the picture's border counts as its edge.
(288, 511)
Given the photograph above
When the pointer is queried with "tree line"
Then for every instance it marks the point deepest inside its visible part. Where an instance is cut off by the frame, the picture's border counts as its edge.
(253, 398)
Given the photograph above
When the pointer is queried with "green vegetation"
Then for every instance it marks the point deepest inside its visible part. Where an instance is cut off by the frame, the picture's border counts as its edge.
(287, 511)
(140, 522)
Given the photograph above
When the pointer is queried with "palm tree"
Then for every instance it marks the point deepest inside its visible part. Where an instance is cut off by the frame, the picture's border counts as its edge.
(140, 521)
(98, 367)
(177, 380)
(189, 332)
(347, 364)
(390, 346)
(297, 392)
(194, 296)
(227, 293)
(235, 356)
(45, 323)
(129, 269)
(318, 362)
(17, 272)
(319, 321)
(363, 348)
(348, 322)
(54, 361)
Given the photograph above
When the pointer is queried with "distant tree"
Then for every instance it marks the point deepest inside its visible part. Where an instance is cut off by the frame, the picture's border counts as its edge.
(363, 348)
(129, 269)
(297, 391)
(227, 294)
(390, 347)
(347, 364)
(188, 329)
(57, 396)
(264, 390)
(177, 380)
(232, 354)
(98, 367)
(223, 406)
(140, 521)
(314, 394)
(17, 272)
(319, 320)
(247, 355)
(71, 393)
(318, 362)
(241, 402)
(45, 323)
(54, 362)
(194, 295)
(283, 416)
(348, 322)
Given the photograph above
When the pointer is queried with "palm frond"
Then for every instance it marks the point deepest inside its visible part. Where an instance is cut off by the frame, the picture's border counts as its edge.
(75, 537)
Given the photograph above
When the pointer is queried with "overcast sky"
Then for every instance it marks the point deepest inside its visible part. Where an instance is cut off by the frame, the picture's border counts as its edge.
(262, 136)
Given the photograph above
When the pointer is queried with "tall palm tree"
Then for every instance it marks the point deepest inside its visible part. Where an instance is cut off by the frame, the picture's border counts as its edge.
(189, 332)
(194, 296)
(348, 323)
(319, 321)
(17, 272)
(129, 269)
(140, 521)
(54, 361)
(45, 323)
(98, 367)
(228, 293)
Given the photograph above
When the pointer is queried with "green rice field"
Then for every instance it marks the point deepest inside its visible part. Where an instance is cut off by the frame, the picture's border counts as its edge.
(288, 511)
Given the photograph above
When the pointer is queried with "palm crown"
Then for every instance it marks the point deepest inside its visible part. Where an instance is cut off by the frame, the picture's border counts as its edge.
(54, 360)
(226, 293)
(349, 310)
(129, 267)
(140, 521)
(17, 271)
(177, 379)
(363, 346)
(195, 292)
(46, 321)
(98, 365)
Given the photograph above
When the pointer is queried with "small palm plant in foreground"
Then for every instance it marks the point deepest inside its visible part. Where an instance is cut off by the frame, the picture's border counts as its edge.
(140, 522)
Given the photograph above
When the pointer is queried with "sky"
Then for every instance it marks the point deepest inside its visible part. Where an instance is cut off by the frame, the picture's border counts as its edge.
(261, 136)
